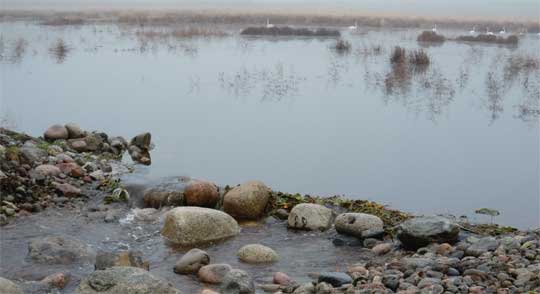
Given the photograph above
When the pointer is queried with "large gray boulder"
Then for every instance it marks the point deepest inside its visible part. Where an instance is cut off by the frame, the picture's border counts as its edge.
(307, 216)
(237, 282)
(361, 225)
(59, 250)
(56, 132)
(74, 131)
(247, 201)
(421, 231)
(192, 225)
(8, 287)
(482, 246)
(124, 280)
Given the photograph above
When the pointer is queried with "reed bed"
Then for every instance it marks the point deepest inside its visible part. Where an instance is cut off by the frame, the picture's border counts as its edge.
(290, 31)
(431, 37)
(484, 38)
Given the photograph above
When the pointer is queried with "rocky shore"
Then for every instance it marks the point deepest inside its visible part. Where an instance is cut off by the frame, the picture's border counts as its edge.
(71, 175)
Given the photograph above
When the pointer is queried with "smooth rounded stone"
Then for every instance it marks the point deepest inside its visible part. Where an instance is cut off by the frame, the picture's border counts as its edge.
(370, 242)
(416, 262)
(74, 131)
(336, 279)
(382, 249)
(213, 273)
(237, 282)
(124, 280)
(201, 193)
(308, 216)
(8, 287)
(444, 249)
(55, 132)
(358, 224)
(78, 145)
(47, 170)
(257, 253)
(324, 288)
(131, 258)
(208, 291)
(422, 231)
(58, 250)
(191, 262)
(192, 225)
(482, 246)
(162, 196)
(247, 201)
(282, 279)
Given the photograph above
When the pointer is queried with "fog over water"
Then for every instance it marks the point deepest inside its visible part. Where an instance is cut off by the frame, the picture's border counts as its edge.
(501, 9)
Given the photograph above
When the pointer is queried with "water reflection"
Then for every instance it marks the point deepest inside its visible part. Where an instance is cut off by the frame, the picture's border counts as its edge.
(274, 84)
(59, 51)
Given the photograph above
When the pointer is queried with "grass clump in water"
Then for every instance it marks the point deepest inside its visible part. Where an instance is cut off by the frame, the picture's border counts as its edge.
(289, 31)
(342, 46)
(429, 36)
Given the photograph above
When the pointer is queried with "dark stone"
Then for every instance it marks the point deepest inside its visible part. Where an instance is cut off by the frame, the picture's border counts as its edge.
(336, 279)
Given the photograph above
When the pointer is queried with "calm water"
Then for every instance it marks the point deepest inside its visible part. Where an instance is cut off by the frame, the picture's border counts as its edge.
(295, 114)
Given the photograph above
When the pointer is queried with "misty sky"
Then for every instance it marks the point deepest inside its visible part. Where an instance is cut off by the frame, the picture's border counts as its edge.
(515, 9)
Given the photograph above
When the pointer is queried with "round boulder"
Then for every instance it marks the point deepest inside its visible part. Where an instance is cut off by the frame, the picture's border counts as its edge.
(214, 273)
(191, 262)
(421, 231)
(257, 253)
(361, 225)
(247, 201)
(192, 225)
(47, 170)
(307, 216)
(74, 131)
(124, 280)
(238, 282)
(201, 193)
(56, 132)
(8, 287)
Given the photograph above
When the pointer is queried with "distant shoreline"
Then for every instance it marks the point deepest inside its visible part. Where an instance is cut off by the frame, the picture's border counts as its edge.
(250, 16)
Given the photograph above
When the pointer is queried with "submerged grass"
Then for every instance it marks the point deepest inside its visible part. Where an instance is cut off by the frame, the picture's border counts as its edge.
(342, 46)
(60, 50)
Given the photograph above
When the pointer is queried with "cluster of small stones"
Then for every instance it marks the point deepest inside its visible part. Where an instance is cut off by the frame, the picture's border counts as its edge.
(59, 169)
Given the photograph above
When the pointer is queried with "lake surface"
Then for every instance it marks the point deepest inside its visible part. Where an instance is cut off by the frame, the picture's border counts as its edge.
(295, 114)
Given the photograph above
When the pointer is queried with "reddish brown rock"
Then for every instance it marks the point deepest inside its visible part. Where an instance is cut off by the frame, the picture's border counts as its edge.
(55, 132)
(201, 193)
(282, 279)
(71, 169)
(214, 273)
(67, 189)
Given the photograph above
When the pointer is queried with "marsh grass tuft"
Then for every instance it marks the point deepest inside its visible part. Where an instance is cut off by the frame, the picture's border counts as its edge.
(342, 46)
(398, 56)
(63, 21)
(429, 36)
(60, 50)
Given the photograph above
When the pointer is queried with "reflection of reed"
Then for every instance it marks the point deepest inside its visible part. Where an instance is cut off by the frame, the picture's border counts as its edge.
(274, 84)
(19, 49)
(60, 50)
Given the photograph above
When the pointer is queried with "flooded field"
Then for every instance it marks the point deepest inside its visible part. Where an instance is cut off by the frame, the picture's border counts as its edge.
(455, 136)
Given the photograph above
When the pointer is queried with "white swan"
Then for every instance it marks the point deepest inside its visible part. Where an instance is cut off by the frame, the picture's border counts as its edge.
(354, 27)
(489, 33)
(434, 29)
(473, 31)
(503, 31)
(268, 24)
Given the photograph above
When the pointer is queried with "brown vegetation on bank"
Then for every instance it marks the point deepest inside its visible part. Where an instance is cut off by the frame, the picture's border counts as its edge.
(290, 31)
